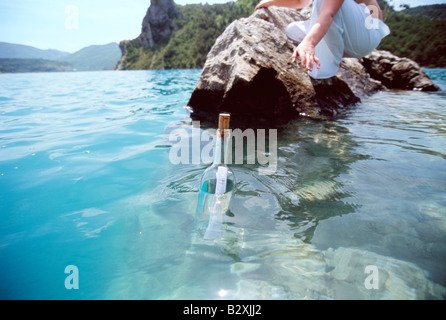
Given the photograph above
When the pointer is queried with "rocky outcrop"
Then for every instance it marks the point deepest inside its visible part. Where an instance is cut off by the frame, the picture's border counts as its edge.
(157, 27)
(122, 64)
(158, 24)
(249, 72)
(397, 73)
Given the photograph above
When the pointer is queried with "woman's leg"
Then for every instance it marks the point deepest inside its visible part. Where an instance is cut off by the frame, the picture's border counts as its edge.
(362, 33)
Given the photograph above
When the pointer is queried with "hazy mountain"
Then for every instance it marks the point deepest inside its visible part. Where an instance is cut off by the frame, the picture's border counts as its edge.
(9, 65)
(95, 57)
(20, 51)
(22, 58)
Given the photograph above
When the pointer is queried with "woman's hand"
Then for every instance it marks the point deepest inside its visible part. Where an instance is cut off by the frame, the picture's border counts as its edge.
(305, 50)
(264, 4)
(294, 4)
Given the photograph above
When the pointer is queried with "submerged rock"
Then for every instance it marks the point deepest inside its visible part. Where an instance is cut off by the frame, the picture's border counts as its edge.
(249, 72)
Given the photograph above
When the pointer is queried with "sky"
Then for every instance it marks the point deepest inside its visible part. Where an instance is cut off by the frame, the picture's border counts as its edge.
(70, 25)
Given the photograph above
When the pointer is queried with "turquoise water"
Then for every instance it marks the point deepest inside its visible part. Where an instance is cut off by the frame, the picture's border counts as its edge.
(86, 180)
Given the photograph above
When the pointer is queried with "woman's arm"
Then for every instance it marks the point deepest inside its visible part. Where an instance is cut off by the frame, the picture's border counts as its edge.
(294, 4)
(305, 49)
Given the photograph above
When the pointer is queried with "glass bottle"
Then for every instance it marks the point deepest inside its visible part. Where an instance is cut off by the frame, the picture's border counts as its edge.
(217, 186)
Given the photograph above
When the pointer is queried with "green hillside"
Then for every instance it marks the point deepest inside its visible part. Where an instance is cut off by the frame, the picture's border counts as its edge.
(95, 57)
(188, 46)
(435, 11)
(417, 33)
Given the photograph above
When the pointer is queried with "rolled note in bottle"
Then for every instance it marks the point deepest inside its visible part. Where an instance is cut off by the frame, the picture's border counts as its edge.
(222, 177)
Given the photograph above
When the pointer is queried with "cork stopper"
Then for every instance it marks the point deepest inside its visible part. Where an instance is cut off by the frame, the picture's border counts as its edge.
(223, 123)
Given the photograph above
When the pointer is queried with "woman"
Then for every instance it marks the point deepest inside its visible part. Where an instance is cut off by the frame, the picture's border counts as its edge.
(336, 29)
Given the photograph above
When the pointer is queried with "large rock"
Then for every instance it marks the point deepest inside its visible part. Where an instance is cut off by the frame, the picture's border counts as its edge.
(249, 73)
(158, 24)
(397, 73)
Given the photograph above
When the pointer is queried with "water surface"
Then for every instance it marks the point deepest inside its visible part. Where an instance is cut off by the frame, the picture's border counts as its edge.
(86, 180)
